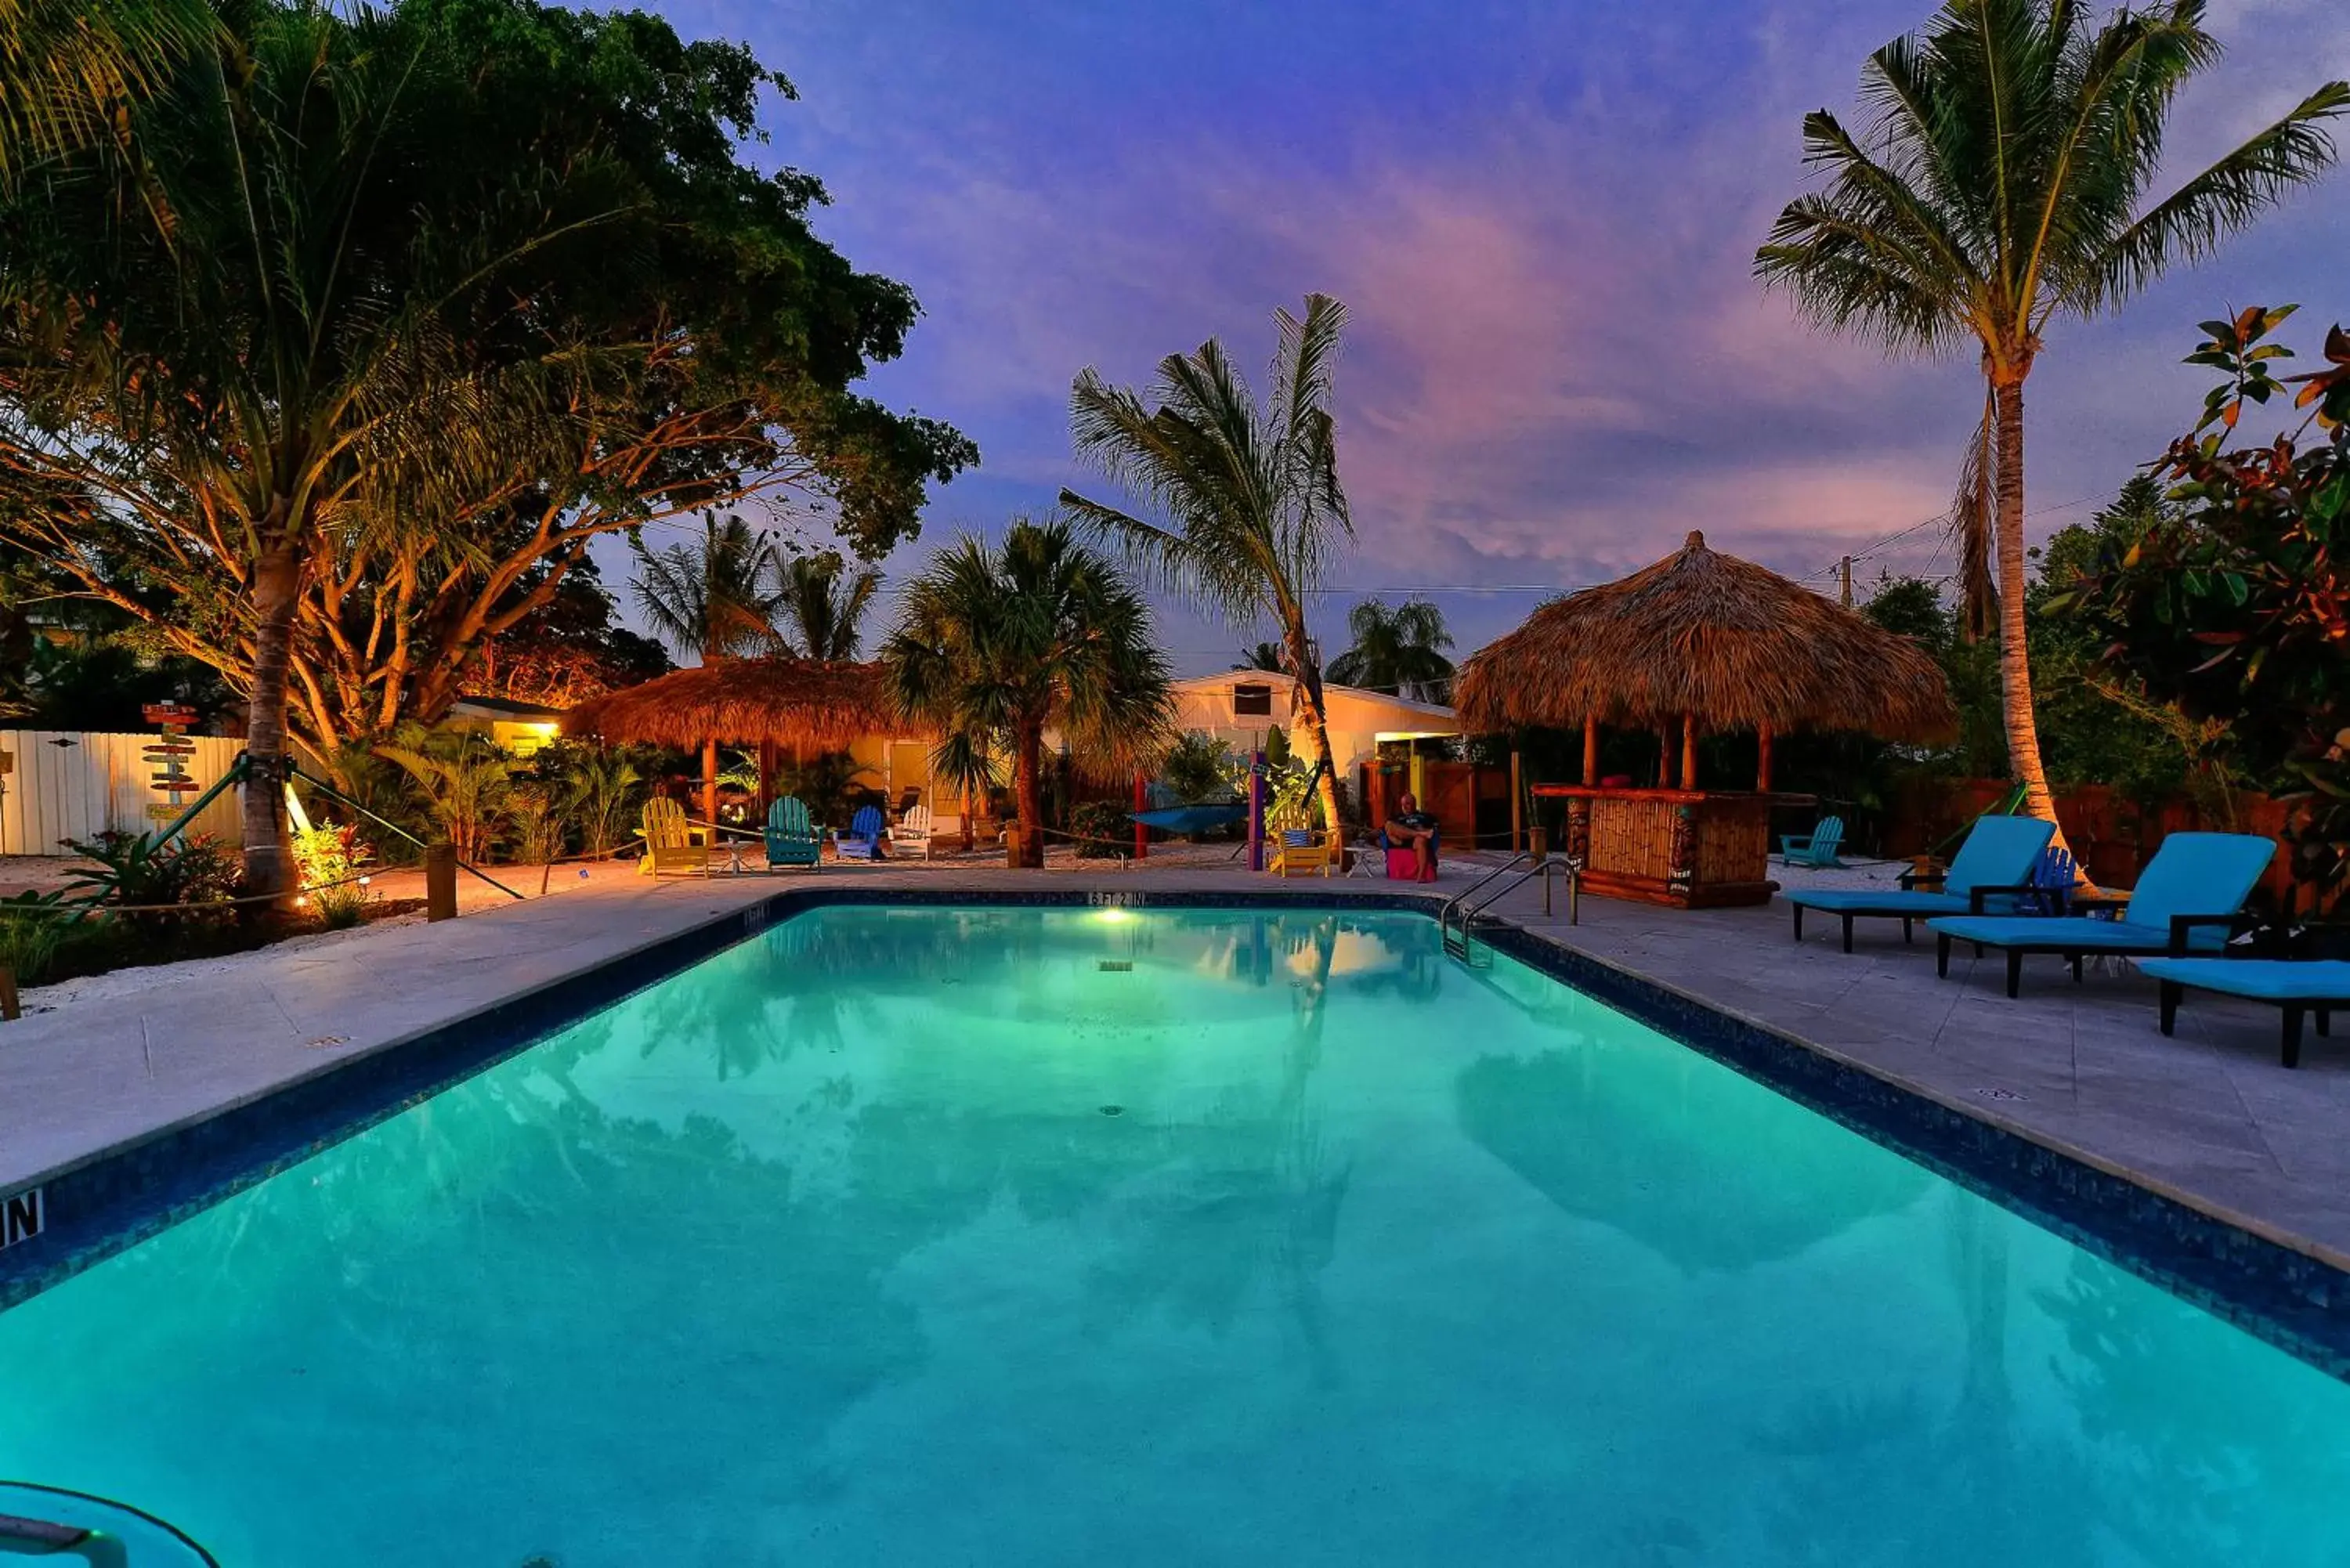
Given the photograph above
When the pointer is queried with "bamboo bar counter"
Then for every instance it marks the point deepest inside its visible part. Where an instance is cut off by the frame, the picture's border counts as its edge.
(1690, 848)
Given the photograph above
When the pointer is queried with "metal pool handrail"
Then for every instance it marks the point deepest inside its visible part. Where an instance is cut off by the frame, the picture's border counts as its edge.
(1466, 901)
(24, 1536)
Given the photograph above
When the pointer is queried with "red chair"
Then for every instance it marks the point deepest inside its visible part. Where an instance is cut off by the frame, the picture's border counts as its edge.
(1403, 865)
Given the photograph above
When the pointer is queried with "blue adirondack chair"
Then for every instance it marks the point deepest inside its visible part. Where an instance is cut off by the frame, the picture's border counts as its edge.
(2187, 901)
(1816, 848)
(1999, 852)
(862, 839)
(792, 838)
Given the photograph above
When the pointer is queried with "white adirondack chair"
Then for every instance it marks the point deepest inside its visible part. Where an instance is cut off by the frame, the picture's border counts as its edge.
(912, 833)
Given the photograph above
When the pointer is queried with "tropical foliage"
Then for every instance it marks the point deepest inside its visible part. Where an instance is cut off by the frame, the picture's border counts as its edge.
(327, 363)
(2002, 180)
(1398, 650)
(823, 606)
(996, 643)
(2235, 604)
(715, 598)
(1250, 511)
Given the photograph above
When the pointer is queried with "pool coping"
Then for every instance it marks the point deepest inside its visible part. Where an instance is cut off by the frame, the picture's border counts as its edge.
(2284, 1289)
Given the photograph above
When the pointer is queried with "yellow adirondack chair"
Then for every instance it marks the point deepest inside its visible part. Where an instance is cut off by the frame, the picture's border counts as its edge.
(670, 843)
(1305, 852)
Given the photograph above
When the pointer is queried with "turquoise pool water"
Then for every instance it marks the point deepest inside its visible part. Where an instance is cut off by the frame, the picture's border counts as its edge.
(826, 1251)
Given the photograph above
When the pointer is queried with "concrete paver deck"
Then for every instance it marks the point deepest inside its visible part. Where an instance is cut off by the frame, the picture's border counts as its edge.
(2209, 1117)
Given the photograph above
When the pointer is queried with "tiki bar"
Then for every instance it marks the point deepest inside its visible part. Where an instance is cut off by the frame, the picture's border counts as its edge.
(1698, 643)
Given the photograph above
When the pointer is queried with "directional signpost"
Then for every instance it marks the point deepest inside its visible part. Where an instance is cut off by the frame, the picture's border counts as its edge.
(169, 758)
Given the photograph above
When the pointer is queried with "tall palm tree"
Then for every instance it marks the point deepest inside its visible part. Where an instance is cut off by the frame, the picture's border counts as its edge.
(716, 597)
(825, 604)
(997, 644)
(1250, 497)
(2002, 182)
(1400, 650)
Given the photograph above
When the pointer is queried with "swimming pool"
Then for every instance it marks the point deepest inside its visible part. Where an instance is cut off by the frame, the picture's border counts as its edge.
(905, 1236)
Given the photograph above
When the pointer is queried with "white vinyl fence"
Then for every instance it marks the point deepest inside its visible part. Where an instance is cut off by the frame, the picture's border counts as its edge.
(70, 785)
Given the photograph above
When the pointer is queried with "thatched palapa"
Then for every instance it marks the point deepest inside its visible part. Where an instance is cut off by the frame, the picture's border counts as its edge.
(789, 703)
(1705, 637)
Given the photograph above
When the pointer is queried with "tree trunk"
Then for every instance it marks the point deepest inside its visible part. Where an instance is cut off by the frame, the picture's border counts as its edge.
(710, 787)
(1307, 714)
(1027, 764)
(2014, 653)
(268, 854)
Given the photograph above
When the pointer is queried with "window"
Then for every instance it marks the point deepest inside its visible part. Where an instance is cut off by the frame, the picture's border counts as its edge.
(1249, 701)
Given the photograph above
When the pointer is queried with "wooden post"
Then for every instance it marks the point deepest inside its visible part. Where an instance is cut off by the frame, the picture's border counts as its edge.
(1844, 575)
(766, 778)
(1762, 769)
(1141, 834)
(710, 781)
(1517, 807)
(439, 882)
(1591, 749)
(1689, 751)
(1664, 756)
(10, 1008)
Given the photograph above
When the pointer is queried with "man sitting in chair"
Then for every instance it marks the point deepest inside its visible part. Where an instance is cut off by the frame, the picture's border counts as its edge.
(1410, 825)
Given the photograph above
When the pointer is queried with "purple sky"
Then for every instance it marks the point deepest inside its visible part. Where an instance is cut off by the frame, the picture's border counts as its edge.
(1542, 216)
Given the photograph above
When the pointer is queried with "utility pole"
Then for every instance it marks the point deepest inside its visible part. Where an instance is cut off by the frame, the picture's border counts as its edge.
(1843, 578)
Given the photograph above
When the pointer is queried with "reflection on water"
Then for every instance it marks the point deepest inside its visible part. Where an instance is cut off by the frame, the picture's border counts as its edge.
(827, 1252)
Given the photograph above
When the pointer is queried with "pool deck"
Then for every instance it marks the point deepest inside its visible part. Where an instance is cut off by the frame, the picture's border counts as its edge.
(2209, 1117)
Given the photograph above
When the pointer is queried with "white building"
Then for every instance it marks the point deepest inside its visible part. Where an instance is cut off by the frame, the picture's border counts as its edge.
(1239, 706)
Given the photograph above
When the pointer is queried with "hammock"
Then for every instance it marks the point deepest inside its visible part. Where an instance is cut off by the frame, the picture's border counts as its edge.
(1191, 818)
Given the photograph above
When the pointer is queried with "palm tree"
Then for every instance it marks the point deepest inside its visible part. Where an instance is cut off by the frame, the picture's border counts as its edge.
(994, 645)
(1249, 496)
(2001, 181)
(827, 611)
(1400, 650)
(716, 597)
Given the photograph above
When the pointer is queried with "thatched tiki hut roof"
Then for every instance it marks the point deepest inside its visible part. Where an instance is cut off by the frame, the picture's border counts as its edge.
(1701, 640)
(790, 703)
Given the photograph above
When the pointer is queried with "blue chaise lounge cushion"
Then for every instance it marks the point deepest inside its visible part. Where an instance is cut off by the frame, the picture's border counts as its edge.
(2258, 980)
(1999, 853)
(2191, 874)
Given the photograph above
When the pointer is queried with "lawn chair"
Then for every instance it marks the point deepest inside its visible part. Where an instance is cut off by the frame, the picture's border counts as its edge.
(1304, 853)
(2186, 902)
(671, 844)
(1999, 852)
(792, 838)
(1817, 848)
(2298, 986)
(862, 839)
(914, 832)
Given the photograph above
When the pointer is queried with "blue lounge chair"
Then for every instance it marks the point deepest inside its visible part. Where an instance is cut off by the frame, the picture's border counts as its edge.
(862, 839)
(1999, 852)
(1816, 848)
(2299, 986)
(2187, 901)
(792, 838)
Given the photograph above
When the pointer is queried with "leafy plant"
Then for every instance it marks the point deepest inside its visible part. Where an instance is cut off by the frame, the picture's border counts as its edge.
(1101, 829)
(1197, 768)
(2236, 607)
(826, 785)
(597, 791)
(32, 929)
(143, 871)
(466, 782)
(331, 858)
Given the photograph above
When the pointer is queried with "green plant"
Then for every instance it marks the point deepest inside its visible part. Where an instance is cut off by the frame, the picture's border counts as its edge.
(332, 858)
(540, 829)
(1102, 830)
(466, 781)
(997, 643)
(32, 929)
(1249, 496)
(146, 872)
(717, 597)
(824, 604)
(1400, 650)
(597, 791)
(2235, 604)
(1197, 767)
(2001, 183)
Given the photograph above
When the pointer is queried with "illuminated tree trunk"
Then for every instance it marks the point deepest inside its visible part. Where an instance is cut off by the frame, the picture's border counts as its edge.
(268, 854)
(2014, 648)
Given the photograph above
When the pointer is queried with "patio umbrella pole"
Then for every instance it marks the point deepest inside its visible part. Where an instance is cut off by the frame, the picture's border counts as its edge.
(1689, 751)
(1763, 768)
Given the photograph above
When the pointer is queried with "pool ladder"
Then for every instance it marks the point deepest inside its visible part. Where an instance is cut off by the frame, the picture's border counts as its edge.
(1456, 921)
